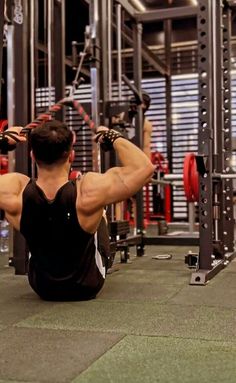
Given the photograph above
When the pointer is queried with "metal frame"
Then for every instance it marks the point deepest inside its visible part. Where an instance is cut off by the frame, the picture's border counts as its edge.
(227, 192)
(104, 44)
(168, 40)
(1, 39)
(146, 53)
(19, 113)
(214, 204)
(165, 14)
(137, 67)
(171, 240)
(18, 94)
(59, 52)
(128, 7)
(94, 13)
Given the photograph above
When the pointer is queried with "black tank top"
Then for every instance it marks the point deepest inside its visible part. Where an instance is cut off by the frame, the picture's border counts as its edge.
(57, 243)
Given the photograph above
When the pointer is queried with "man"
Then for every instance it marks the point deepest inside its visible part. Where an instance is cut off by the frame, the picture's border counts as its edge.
(62, 221)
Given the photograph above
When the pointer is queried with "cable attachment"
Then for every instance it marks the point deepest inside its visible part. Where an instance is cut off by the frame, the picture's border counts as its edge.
(4, 144)
(106, 138)
(69, 101)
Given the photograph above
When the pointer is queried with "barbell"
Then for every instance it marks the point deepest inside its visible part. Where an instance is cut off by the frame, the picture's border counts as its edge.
(190, 178)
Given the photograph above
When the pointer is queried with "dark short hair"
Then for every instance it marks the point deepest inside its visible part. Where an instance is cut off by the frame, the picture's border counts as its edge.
(51, 142)
(146, 99)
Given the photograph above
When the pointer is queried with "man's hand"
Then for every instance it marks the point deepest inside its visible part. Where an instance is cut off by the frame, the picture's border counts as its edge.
(102, 128)
(15, 131)
(98, 137)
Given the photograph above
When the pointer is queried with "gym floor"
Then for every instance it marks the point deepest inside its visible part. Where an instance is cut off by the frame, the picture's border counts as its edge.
(147, 325)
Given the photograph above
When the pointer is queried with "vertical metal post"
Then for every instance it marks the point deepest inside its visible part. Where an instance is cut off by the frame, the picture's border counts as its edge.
(137, 65)
(119, 53)
(217, 123)
(191, 216)
(10, 79)
(105, 72)
(35, 17)
(50, 6)
(1, 39)
(105, 80)
(227, 192)
(32, 59)
(109, 46)
(168, 40)
(214, 145)
(94, 71)
(11, 112)
(21, 114)
(58, 39)
(205, 133)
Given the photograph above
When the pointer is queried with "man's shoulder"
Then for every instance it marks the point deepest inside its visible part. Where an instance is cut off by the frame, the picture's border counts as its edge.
(90, 180)
(90, 176)
(15, 177)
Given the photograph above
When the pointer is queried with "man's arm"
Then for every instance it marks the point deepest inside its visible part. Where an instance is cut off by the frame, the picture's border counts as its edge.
(10, 137)
(11, 186)
(118, 183)
(147, 133)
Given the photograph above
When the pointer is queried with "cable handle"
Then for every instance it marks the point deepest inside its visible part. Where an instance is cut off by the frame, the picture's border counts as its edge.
(67, 101)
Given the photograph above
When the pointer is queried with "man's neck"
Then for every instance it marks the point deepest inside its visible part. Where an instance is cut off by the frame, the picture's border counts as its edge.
(53, 173)
(51, 179)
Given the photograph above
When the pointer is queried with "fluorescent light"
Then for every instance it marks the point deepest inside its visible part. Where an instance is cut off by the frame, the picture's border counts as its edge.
(137, 3)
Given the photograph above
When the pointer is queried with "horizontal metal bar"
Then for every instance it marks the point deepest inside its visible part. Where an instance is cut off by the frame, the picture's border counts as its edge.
(179, 177)
(171, 240)
(160, 182)
(128, 7)
(166, 13)
(224, 176)
(131, 241)
(41, 47)
(173, 177)
(154, 60)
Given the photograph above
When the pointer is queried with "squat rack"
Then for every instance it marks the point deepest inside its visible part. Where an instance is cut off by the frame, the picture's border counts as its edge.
(216, 221)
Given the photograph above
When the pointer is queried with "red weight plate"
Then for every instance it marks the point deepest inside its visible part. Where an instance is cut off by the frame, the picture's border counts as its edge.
(187, 168)
(3, 125)
(74, 175)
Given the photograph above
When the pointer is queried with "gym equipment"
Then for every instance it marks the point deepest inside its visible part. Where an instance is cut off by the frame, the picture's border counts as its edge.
(161, 206)
(75, 174)
(162, 257)
(3, 164)
(67, 101)
(191, 178)
(3, 125)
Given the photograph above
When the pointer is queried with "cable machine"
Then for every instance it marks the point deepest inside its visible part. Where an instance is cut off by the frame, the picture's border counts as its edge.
(22, 53)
